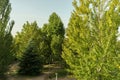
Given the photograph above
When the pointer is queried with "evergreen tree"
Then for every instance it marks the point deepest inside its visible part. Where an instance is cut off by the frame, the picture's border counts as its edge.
(54, 31)
(90, 47)
(30, 63)
(5, 36)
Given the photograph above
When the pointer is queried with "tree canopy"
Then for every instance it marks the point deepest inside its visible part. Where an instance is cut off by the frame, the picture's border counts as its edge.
(90, 47)
(22, 38)
(5, 36)
(54, 32)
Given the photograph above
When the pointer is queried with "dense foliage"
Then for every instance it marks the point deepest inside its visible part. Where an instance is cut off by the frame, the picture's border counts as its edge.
(22, 38)
(5, 36)
(54, 32)
(30, 64)
(90, 46)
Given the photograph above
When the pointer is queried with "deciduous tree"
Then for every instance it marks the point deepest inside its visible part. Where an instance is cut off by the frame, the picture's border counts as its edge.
(22, 38)
(5, 36)
(90, 45)
(54, 31)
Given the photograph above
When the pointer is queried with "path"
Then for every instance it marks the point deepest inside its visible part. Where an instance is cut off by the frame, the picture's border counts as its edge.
(44, 76)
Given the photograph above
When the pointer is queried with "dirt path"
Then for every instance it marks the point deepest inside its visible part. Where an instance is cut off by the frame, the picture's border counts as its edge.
(42, 77)
(45, 76)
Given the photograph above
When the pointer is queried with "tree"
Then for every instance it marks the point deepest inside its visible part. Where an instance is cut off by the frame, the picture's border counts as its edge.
(22, 38)
(43, 41)
(54, 31)
(30, 63)
(5, 36)
(90, 46)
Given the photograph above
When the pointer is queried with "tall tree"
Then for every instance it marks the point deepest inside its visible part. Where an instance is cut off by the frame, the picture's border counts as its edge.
(5, 36)
(90, 47)
(54, 31)
(22, 38)
(44, 47)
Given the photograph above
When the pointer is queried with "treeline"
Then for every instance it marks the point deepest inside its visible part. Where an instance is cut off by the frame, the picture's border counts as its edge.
(89, 46)
(33, 46)
(48, 39)
(47, 42)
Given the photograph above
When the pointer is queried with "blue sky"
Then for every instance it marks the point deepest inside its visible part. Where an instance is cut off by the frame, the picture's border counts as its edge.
(39, 10)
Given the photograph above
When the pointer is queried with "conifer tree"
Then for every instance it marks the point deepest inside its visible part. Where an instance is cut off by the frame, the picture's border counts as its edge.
(30, 64)
(5, 36)
(90, 47)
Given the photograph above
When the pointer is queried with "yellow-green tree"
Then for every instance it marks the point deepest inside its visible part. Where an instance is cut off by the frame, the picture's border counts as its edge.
(22, 38)
(90, 46)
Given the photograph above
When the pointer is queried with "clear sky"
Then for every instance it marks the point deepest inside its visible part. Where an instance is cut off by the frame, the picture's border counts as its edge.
(39, 10)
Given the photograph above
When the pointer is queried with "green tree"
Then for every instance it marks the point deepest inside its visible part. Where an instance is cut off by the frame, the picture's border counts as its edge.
(5, 36)
(118, 46)
(54, 31)
(90, 46)
(30, 63)
(43, 41)
(22, 38)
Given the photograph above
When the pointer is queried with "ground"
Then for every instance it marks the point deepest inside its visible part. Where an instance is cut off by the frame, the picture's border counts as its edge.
(48, 73)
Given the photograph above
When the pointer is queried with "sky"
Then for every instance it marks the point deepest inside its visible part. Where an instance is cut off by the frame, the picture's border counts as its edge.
(38, 10)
